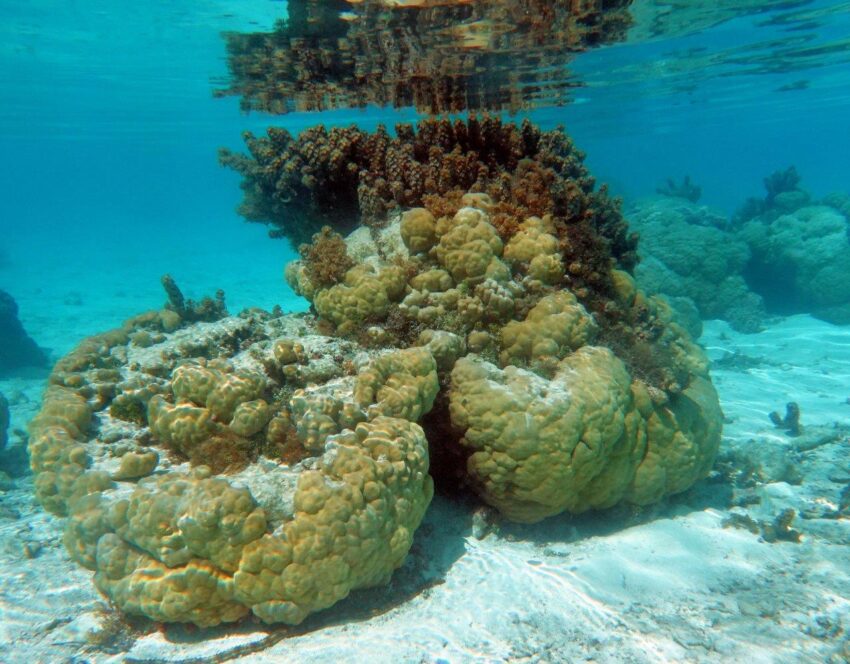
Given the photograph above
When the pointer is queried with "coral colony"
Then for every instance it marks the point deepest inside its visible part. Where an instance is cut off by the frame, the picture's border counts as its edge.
(473, 319)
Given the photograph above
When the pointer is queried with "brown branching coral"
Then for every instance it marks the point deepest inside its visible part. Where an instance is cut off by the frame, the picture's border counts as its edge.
(325, 259)
(502, 54)
(207, 309)
(297, 185)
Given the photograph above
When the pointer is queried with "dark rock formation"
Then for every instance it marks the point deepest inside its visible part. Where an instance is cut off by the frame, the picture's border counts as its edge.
(17, 349)
(4, 421)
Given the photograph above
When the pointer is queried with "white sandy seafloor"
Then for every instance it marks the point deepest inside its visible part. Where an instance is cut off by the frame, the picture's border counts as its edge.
(669, 585)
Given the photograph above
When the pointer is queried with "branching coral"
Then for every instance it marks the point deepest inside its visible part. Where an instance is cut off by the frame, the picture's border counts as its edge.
(208, 309)
(685, 189)
(297, 185)
(325, 260)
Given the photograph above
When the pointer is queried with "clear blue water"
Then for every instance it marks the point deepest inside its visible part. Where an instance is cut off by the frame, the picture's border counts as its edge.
(108, 131)
(109, 177)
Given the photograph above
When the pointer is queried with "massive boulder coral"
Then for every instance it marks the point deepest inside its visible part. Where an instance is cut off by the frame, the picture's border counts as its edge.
(587, 438)
(686, 252)
(295, 516)
(549, 407)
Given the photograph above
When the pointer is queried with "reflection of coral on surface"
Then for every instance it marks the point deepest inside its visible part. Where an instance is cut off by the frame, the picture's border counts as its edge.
(496, 54)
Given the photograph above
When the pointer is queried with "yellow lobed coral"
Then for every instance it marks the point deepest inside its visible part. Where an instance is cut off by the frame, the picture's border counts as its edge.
(418, 230)
(555, 326)
(535, 251)
(365, 294)
(582, 440)
(469, 247)
(400, 384)
(354, 520)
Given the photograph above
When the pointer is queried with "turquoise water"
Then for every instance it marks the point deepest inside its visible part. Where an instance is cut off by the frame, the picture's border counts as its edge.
(109, 178)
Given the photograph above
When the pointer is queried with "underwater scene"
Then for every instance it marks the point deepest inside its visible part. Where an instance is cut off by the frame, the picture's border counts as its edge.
(425, 331)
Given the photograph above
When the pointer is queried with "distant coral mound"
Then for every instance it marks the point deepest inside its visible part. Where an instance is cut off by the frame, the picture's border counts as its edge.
(685, 252)
(17, 349)
(799, 249)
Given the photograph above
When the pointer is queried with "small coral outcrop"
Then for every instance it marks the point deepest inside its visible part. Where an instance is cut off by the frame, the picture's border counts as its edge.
(799, 248)
(801, 262)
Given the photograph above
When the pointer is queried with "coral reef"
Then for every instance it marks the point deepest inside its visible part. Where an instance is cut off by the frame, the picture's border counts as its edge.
(496, 54)
(17, 349)
(270, 464)
(480, 310)
(685, 253)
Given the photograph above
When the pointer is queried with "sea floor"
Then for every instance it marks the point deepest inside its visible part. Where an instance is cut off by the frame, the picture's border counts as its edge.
(686, 581)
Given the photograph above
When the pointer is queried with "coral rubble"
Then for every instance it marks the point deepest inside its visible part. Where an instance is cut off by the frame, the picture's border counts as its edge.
(495, 54)
(17, 349)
